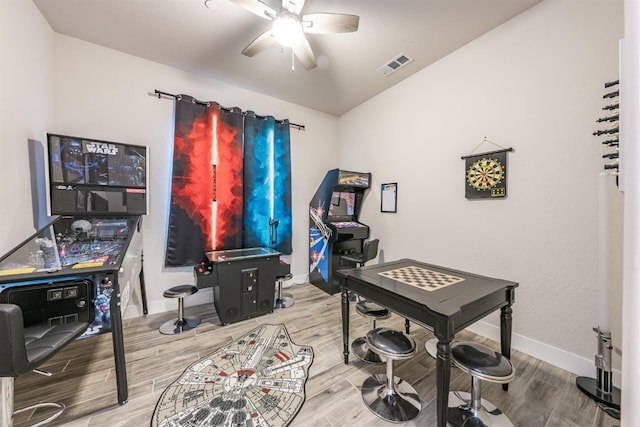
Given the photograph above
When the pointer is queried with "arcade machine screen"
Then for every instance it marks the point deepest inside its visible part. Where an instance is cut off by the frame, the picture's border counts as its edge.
(342, 204)
(92, 176)
(342, 210)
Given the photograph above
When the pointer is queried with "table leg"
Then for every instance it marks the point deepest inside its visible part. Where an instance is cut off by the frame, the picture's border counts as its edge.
(443, 375)
(505, 335)
(345, 324)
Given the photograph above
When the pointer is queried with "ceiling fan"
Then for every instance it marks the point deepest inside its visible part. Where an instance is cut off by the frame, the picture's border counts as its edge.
(289, 27)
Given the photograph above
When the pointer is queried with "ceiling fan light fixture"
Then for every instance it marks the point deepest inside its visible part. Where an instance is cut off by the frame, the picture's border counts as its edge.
(287, 30)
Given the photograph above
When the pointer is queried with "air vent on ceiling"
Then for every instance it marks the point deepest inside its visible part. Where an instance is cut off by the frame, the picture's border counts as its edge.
(395, 64)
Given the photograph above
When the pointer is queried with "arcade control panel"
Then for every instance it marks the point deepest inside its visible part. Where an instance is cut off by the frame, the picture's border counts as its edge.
(206, 275)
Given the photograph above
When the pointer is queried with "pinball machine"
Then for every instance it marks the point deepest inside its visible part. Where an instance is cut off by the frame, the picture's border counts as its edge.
(84, 265)
(334, 229)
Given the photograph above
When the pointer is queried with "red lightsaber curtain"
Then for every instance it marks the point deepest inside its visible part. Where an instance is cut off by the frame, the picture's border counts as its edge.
(206, 211)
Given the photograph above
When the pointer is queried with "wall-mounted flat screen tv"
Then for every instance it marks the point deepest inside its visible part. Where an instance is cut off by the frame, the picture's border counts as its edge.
(90, 176)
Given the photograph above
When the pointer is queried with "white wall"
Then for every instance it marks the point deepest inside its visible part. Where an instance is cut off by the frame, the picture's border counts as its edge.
(26, 85)
(534, 84)
(104, 94)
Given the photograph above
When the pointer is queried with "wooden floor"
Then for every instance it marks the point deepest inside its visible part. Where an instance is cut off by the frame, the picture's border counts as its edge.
(83, 373)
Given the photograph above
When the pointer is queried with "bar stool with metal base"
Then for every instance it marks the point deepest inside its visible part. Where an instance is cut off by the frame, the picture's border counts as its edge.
(482, 363)
(388, 396)
(182, 323)
(283, 300)
(359, 346)
(24, 349)
(369, 252)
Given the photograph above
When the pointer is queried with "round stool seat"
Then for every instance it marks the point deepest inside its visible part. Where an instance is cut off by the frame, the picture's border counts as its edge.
(482, 362)
(182, 323)
(371, 309)
(391, 343)
(180, 291)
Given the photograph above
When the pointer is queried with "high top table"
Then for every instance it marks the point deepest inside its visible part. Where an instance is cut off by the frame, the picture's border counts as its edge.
(438, 298)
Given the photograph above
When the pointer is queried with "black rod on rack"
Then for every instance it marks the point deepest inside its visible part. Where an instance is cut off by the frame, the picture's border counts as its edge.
(178, 97)
(488, 153)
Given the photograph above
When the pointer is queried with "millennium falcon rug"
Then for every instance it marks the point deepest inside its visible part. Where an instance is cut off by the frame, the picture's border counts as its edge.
(255, 381)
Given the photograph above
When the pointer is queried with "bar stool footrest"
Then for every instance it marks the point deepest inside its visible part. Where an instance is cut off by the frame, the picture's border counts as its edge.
(58, 407)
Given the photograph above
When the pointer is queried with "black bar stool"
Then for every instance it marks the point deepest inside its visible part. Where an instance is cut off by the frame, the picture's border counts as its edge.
(359, 346)
(482, 363)
(182, 323)
(24, 349)
(388, 396)
(369, 252)
(283, 300)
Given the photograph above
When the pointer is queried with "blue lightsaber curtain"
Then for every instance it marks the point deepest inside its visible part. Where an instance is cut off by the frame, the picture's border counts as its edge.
(267, 183)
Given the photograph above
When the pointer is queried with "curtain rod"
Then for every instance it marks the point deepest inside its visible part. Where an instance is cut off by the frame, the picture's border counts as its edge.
(178, 97)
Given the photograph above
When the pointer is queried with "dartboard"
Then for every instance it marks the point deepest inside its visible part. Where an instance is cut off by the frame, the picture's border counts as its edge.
(485, 174)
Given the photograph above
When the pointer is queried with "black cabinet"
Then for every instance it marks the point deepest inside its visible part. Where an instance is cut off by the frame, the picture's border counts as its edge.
(243, 281)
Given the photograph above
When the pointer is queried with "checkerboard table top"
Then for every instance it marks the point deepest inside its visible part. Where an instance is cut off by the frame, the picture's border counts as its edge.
(429, 280)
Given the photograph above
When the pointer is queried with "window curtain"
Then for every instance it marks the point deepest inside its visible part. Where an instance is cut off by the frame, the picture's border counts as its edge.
(267, 183)
(224, 166)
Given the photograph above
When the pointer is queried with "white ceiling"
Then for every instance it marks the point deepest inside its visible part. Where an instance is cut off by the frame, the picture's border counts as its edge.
(207, 41)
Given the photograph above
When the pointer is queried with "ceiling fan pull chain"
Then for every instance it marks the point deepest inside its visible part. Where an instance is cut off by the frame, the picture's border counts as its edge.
(293, 62)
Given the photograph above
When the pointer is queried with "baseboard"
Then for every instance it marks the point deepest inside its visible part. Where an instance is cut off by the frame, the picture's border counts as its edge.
(578, 365)
(203, 296)
(298, 279)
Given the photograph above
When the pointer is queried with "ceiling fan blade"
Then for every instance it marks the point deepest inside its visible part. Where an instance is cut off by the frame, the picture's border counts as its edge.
(303, 52)
(261, 42)
(257, 7)
(293, 6)
(326, 23)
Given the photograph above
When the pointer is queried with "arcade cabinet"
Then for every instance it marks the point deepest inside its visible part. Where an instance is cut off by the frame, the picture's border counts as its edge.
(334, 229)
(83, 265)
(243, 281)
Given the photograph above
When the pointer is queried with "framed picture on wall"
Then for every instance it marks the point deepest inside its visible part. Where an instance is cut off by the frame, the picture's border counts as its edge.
(389, 199)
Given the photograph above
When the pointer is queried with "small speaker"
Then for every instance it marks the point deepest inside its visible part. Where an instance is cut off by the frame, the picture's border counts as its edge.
(266, 305)
(231, 314)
